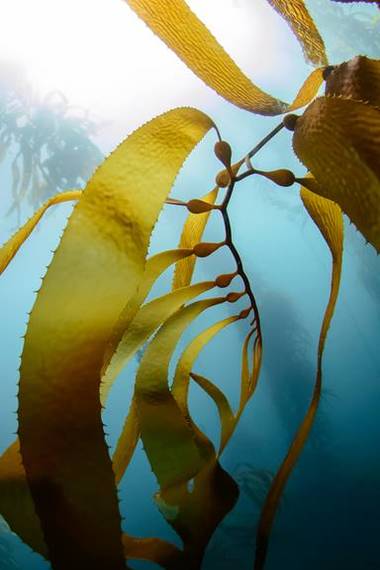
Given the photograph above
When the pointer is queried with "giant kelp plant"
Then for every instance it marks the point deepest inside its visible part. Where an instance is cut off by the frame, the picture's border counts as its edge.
(58, 483)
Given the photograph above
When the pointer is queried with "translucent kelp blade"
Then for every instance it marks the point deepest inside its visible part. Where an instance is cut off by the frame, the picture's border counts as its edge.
(154, 267)
(226, 415)
(181, 30)
(167, 436)
(192, 235)
(301, 23)
(357, 79)
(97, 267)
(308, 90)
(245, 383)
(147, 320)
(332, 128)
(155, 550)
(188, 358)
(328, 217)
(11, 247)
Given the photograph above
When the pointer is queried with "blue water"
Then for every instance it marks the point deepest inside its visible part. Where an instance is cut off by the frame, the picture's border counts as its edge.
(329, 515)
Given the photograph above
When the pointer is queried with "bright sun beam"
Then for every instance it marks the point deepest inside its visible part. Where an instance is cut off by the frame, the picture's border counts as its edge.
(103, 58)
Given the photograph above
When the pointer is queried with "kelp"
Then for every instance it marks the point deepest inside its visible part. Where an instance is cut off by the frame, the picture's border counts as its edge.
(58, 480)
(334, 127)
(303, 27)
(56, 442)
(49, 144)
(328, 217)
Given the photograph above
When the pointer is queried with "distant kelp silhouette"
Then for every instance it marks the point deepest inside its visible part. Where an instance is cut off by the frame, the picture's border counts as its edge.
(58, 483)
(47, 139)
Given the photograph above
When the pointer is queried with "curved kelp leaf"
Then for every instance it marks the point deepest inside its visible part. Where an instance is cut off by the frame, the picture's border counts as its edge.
(192, 233)
(228, 420)
(189, 38)
(308, 90)
(135, 326)
(177, 450)
(95, 271)
(328, 217)
(16, 504)
(188, 358)
(149, 318)
(301, 23)
(11, 247)
(185, 365)
(226, 415)
(339, 142)
(357, 79)
(156, 550)
(167, 437)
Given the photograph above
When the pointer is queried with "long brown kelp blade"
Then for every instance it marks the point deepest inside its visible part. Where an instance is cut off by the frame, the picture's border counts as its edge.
(95, 271)
(339, 142)
(149, 318)
(166, 434)
(328, 217)
(11, 247)
(16, 503)
(301, 23)
(189, 38)
(177, 450)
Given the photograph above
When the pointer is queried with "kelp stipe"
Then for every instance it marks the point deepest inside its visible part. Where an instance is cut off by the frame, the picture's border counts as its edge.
(58, 481)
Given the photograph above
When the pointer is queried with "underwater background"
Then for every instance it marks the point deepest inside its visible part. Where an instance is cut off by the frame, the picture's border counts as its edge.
(330, 513)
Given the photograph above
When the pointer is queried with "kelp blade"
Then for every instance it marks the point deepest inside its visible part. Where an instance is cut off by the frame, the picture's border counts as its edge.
(95, 270)
(135, 324)
(190, 39)
(11, 247)
(192, 233)
(142, 327)
(339, 142)
(167, 436)
(328, 217)
(177, 450)
(301, 23)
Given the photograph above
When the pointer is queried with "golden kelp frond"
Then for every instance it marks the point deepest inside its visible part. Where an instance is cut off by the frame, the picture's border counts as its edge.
(17, 508)
(308, 90)
(328, 217)
(96, 269)
(126, 443)
(188, 358)
(339, 142)
(147, 320)
(301, 23)
(154, 267)
(167, 437)
(226, 415)
(11, 247)
(191, 235)
(190, 39)
(357, 79)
